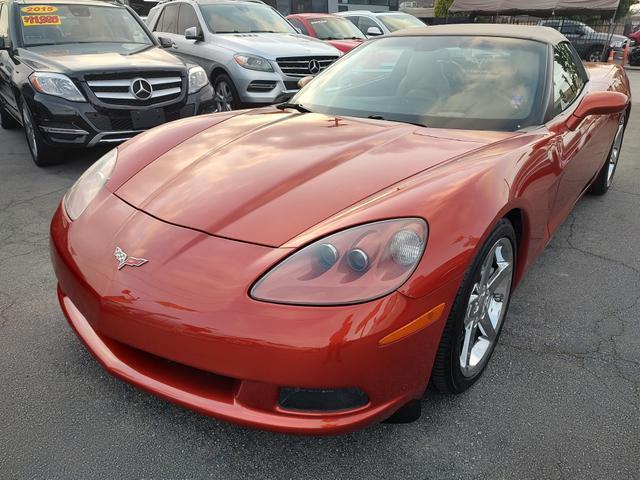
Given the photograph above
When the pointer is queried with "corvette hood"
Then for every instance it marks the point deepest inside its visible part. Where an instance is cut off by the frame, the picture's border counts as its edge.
(266, 176)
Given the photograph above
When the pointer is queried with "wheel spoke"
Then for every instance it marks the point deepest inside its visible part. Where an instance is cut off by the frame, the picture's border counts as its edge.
(502, 273)
(467, 345)
(487, 327)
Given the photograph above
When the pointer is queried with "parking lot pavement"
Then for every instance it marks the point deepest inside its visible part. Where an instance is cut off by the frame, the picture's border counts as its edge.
(560, 398)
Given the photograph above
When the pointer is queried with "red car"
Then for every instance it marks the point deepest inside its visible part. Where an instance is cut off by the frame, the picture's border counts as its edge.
(335, 30)
(309, 267)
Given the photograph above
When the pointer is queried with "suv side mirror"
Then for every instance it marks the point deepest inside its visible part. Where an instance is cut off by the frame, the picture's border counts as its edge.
(597, 103)
(192, 33)
(165, 42)
(374, 32)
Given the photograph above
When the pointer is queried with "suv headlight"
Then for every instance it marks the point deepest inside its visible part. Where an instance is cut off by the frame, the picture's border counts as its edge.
(82, 193)
(197, 79)
(617, 44)
(352, 266)
(253, 62)
(56, 84)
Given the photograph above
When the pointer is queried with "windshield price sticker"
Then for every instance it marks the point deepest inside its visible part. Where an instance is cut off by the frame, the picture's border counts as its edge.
(35, 9)
(40, 20)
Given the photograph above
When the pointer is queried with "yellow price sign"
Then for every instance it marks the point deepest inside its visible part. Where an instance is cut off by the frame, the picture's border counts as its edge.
(39, 9)
(41, 20)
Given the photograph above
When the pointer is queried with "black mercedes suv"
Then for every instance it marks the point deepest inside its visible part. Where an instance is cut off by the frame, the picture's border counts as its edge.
(79, 73)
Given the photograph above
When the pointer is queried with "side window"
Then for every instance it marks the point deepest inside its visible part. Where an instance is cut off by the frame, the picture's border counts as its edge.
(4, 20)
(158, 26)
(364, 23)
(567, 78)
(187, 19)
(168, 23)
(353, 19)
(298, 24)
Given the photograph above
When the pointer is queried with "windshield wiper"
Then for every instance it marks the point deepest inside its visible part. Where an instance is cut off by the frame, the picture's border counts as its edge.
(380, 117)
(293, 106)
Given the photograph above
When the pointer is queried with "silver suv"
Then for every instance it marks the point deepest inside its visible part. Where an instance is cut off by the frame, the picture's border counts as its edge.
(251, 53)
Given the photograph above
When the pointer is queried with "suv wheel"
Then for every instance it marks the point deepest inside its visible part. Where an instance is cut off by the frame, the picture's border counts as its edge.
(41, 153)
(225, 94)
(594, 54)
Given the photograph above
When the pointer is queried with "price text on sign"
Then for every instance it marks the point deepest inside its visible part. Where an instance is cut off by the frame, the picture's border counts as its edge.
(39, 9)
(38, 20)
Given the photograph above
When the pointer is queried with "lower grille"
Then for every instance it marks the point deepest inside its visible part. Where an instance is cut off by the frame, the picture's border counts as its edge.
(136, 89)
(261, 86)
(304, 66)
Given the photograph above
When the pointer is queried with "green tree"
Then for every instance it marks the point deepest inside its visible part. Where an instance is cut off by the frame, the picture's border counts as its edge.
(441, 7)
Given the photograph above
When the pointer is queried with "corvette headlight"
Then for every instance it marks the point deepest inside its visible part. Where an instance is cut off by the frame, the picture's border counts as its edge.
(351, 266)
(56, 84)
(82, 193)
(197, 79)
(253, 62)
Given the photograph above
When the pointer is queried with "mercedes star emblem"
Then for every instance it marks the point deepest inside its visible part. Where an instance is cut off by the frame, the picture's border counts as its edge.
(314, 66)
(141, 88)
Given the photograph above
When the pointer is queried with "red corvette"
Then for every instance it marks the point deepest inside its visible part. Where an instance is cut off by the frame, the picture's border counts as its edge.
(335, 30)
(309, 267)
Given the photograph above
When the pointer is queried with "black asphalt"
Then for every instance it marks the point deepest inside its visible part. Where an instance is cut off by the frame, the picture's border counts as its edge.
(560, 398)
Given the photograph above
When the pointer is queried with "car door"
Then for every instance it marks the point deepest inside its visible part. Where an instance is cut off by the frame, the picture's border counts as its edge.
(188, 49)
(579, 153)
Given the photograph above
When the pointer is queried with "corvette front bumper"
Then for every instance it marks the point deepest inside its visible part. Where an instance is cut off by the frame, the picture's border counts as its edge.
(183, 327)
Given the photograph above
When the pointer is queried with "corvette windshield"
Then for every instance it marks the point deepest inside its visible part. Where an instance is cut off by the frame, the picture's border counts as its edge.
(244, 18)
(480, 83)
(60, 24)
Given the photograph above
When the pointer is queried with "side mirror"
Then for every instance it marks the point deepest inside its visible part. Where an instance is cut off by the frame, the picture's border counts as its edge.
(165, 42)
(303, 81)
(192, 33)
(374, 32)
(597, 103)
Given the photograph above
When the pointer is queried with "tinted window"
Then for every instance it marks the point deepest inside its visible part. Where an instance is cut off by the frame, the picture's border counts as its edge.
(298, 24)
(480, 83)
(567, 78)
(68, 24)
(4, 20)
(244, 18)
(169, 19)
(187, 19)
(364, 23)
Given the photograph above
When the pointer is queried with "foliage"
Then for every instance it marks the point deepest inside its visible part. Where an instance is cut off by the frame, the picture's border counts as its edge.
(441, 7)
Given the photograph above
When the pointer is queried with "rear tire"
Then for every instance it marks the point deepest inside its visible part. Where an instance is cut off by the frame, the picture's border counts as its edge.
(603, 181)
(42, 154)
(594, 54)
(478, 313)
(6, 119)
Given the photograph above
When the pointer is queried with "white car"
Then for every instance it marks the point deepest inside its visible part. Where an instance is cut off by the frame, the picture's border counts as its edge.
(374, 24)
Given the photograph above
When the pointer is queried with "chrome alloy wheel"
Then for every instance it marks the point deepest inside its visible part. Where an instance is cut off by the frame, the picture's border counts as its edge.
(29, 130)
(223, 97)
(612, 161)
(486, 307)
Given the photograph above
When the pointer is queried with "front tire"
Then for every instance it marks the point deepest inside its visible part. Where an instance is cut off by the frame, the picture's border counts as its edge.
(594, 54)
(42, 154)
(225, 94)
(479, 309)
(603, 181)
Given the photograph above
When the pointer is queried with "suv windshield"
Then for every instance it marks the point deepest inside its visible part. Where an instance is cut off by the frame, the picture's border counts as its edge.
(244, 18)
(398, 21)
(59, 24)
(464, 82)
(328, 28)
